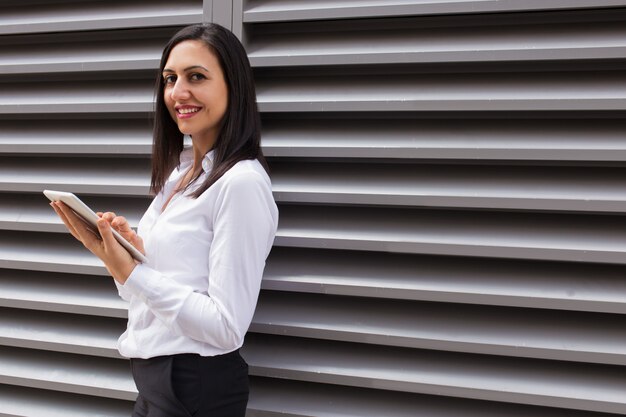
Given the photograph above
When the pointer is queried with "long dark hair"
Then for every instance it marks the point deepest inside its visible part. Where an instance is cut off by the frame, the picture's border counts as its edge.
(240, 135)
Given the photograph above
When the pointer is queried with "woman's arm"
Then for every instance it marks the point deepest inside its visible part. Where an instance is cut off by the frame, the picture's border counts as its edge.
(244, 225)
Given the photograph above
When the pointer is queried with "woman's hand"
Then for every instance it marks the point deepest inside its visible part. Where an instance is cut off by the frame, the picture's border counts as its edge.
(117, 260)
(122, 226)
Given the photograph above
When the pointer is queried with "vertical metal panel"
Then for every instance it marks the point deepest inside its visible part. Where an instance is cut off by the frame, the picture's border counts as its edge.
(207, 11)
(219, 11)
(450, 177)
(223, 13)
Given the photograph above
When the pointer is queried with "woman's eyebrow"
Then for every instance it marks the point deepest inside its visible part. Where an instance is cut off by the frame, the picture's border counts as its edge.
(187, 69)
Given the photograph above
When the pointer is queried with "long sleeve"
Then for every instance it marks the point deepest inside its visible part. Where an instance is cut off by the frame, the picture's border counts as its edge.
(244, 225)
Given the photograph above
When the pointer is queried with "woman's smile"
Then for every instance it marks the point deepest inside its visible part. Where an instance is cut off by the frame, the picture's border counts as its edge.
(186, 112)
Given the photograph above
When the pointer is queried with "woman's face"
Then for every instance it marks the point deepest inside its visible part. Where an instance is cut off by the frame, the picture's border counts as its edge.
(195, 91)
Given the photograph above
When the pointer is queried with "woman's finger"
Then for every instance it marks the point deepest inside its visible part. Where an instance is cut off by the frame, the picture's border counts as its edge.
(123, 227)
(112, 248)
(78, 227)
(104, 227)
(65, 220)
(108, 216)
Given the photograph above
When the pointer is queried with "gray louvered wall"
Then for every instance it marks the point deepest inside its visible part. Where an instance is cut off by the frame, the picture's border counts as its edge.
(451, 183)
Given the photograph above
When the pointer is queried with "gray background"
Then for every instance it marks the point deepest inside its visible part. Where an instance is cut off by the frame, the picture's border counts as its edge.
(451, 182)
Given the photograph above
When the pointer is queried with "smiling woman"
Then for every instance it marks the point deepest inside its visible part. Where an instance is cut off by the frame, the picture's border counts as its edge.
(206, 235)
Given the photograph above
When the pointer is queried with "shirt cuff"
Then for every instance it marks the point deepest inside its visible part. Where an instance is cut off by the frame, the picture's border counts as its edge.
(142, 282)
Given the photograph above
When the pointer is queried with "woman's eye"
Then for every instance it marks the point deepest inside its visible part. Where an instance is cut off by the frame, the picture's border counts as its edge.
(197, 77)
(169, 79)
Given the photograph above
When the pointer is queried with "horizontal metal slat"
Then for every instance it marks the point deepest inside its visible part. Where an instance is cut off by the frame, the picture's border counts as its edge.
(592, 91)
(484, 330)
(450, 92)
(66, 16)
(47, 252)
(577, 287)
(33, 212)
(119, 96)
(590, 189)
(68, 293)
(589, 338)
(70, 333)
(411, 43)
(287, 10)
(474, 329)
(269, 398)
(109, 176)
(584, 387)
(82, 53)
(121, 137)
(495, 235)
(272, 397)
(468, 186)
(524, 381)
(530, 284)
(302, 399)
(30, 402)
(289, 398)
(556, 237)
(79, 374)
(526, 140)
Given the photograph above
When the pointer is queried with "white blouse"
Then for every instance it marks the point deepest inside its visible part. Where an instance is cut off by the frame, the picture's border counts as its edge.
(198, 291)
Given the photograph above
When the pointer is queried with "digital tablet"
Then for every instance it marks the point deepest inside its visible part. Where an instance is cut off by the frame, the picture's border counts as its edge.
(91, 218)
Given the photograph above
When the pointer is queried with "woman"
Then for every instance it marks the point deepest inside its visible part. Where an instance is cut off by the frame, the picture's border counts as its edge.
(206, 234)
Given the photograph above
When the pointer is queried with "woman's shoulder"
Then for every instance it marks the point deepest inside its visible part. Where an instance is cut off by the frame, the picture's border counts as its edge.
(246, 171)
(246, 189)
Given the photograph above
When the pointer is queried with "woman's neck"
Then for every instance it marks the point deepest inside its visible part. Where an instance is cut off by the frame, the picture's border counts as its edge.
(200, 148)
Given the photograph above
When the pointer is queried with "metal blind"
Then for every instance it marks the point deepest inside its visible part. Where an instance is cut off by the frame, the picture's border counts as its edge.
(450, 181)
(451, 184)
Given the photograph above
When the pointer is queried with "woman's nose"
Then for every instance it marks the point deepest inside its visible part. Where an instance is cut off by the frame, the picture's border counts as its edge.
(179, 91)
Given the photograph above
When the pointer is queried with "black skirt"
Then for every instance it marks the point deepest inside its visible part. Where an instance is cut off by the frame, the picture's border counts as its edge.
(190, 385)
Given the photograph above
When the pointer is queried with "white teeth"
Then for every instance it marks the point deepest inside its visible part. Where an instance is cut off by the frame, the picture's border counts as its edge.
(186, 111)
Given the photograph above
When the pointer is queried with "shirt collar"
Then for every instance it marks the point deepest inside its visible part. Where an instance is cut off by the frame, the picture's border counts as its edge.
(207, 161)
(186, 159)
